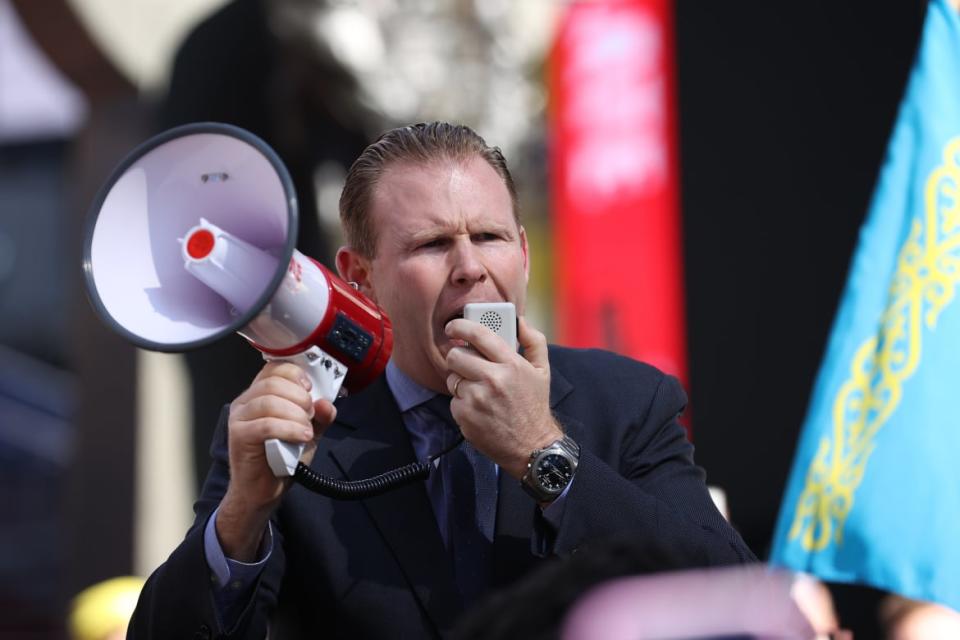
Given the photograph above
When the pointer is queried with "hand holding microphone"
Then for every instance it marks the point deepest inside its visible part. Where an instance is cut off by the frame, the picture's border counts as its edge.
(502, 399)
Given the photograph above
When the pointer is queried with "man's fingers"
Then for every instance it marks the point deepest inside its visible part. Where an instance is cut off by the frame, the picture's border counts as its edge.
(534, 345)
(272, 407)
(489, 344)
(281, 388)
(262, 429)
(468, 363)
(278, 405)
(324, 414)
(454, 380)
(284, 369)
(489, 349)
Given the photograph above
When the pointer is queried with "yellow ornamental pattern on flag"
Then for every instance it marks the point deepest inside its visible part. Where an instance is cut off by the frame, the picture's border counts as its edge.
(928, 272)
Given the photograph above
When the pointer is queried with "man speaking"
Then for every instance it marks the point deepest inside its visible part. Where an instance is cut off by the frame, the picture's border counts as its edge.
(431, 222)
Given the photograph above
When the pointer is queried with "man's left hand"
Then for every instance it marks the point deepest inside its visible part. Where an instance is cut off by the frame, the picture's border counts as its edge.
(501, 399)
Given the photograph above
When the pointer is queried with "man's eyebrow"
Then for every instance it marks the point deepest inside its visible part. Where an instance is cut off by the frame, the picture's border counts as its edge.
(424, 234)
(494, 227)
(419, 235)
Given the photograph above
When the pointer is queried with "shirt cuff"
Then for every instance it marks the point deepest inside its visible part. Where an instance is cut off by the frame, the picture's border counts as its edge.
(229, 572)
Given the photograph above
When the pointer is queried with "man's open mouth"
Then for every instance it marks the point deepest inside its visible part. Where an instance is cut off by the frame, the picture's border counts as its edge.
(453, 316)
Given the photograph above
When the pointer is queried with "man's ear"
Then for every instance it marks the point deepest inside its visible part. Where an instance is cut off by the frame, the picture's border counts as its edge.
(355, 268)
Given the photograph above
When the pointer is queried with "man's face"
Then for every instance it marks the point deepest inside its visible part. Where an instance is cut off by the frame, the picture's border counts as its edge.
(446, 236)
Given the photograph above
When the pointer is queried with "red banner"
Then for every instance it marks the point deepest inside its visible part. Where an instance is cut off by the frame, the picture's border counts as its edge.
(614, 182)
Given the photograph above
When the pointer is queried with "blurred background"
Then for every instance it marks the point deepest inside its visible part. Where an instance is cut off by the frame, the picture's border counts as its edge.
(774, 117)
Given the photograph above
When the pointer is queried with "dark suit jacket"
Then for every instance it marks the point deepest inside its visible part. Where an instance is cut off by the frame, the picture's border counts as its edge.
(377, 568)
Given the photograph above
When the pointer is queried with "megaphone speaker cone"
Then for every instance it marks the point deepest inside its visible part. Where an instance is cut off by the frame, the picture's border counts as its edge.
(133, 256)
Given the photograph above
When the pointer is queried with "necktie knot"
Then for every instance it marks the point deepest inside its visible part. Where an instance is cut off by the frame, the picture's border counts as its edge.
(439, 407)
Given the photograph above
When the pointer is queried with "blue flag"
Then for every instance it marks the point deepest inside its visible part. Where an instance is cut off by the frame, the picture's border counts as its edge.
(874, 495)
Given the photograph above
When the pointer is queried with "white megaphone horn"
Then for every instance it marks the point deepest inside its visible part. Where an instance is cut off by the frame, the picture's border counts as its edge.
(193, 238)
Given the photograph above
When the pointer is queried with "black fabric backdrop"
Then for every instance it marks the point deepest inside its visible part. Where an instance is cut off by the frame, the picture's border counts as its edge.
(785, 111)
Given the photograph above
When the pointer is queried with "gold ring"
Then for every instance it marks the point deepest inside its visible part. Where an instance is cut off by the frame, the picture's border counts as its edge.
(456, 386)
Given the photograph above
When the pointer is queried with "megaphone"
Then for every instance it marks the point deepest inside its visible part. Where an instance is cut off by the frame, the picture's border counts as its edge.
(193, 238)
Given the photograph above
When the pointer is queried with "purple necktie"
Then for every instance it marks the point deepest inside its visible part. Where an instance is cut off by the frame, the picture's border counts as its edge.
(469, 502)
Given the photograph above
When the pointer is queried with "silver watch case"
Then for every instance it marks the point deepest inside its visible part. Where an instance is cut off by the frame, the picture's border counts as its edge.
(550, 470)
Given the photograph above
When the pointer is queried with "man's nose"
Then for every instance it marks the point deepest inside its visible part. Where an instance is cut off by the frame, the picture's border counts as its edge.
(468, 268)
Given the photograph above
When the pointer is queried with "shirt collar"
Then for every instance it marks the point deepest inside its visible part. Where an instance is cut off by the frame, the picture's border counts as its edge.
(406, 392)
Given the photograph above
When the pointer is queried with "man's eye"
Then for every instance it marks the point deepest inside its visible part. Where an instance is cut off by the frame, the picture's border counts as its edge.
(432, 244)
(485, 237)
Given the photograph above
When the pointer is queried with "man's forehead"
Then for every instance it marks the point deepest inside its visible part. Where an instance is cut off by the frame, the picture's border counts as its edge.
(414, 186)
(426, 171)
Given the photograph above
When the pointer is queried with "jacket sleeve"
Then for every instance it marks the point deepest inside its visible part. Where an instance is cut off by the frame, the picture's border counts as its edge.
(177, 600)
(637, 478)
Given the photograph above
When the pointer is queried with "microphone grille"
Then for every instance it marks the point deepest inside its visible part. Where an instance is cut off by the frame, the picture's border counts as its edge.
(492, 320)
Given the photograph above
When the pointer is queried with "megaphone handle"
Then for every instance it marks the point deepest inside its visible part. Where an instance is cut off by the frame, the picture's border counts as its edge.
(326, 375)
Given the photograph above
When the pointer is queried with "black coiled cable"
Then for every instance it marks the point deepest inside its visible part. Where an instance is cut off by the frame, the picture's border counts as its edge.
(369, 487)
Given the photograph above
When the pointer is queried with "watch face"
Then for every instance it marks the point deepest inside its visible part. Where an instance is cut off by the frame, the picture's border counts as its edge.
(554, 472)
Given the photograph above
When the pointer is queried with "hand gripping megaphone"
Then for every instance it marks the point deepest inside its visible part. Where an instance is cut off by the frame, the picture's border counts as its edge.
(193, 238)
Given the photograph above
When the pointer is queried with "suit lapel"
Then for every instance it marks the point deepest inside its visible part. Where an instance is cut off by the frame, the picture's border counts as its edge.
(372, 439)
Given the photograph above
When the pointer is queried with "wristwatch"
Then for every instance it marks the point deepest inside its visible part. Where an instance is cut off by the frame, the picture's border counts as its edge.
(550, 469)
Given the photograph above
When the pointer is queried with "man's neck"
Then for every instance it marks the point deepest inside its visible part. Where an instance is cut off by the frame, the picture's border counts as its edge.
(406, 391)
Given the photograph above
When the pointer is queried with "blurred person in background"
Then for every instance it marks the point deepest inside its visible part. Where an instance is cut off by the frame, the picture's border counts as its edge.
(102, 611)
(607, 591)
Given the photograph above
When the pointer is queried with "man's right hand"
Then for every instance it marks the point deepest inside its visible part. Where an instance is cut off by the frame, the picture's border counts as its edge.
(276, 405)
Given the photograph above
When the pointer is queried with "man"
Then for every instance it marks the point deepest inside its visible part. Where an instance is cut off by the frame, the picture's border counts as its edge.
(431, 222)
